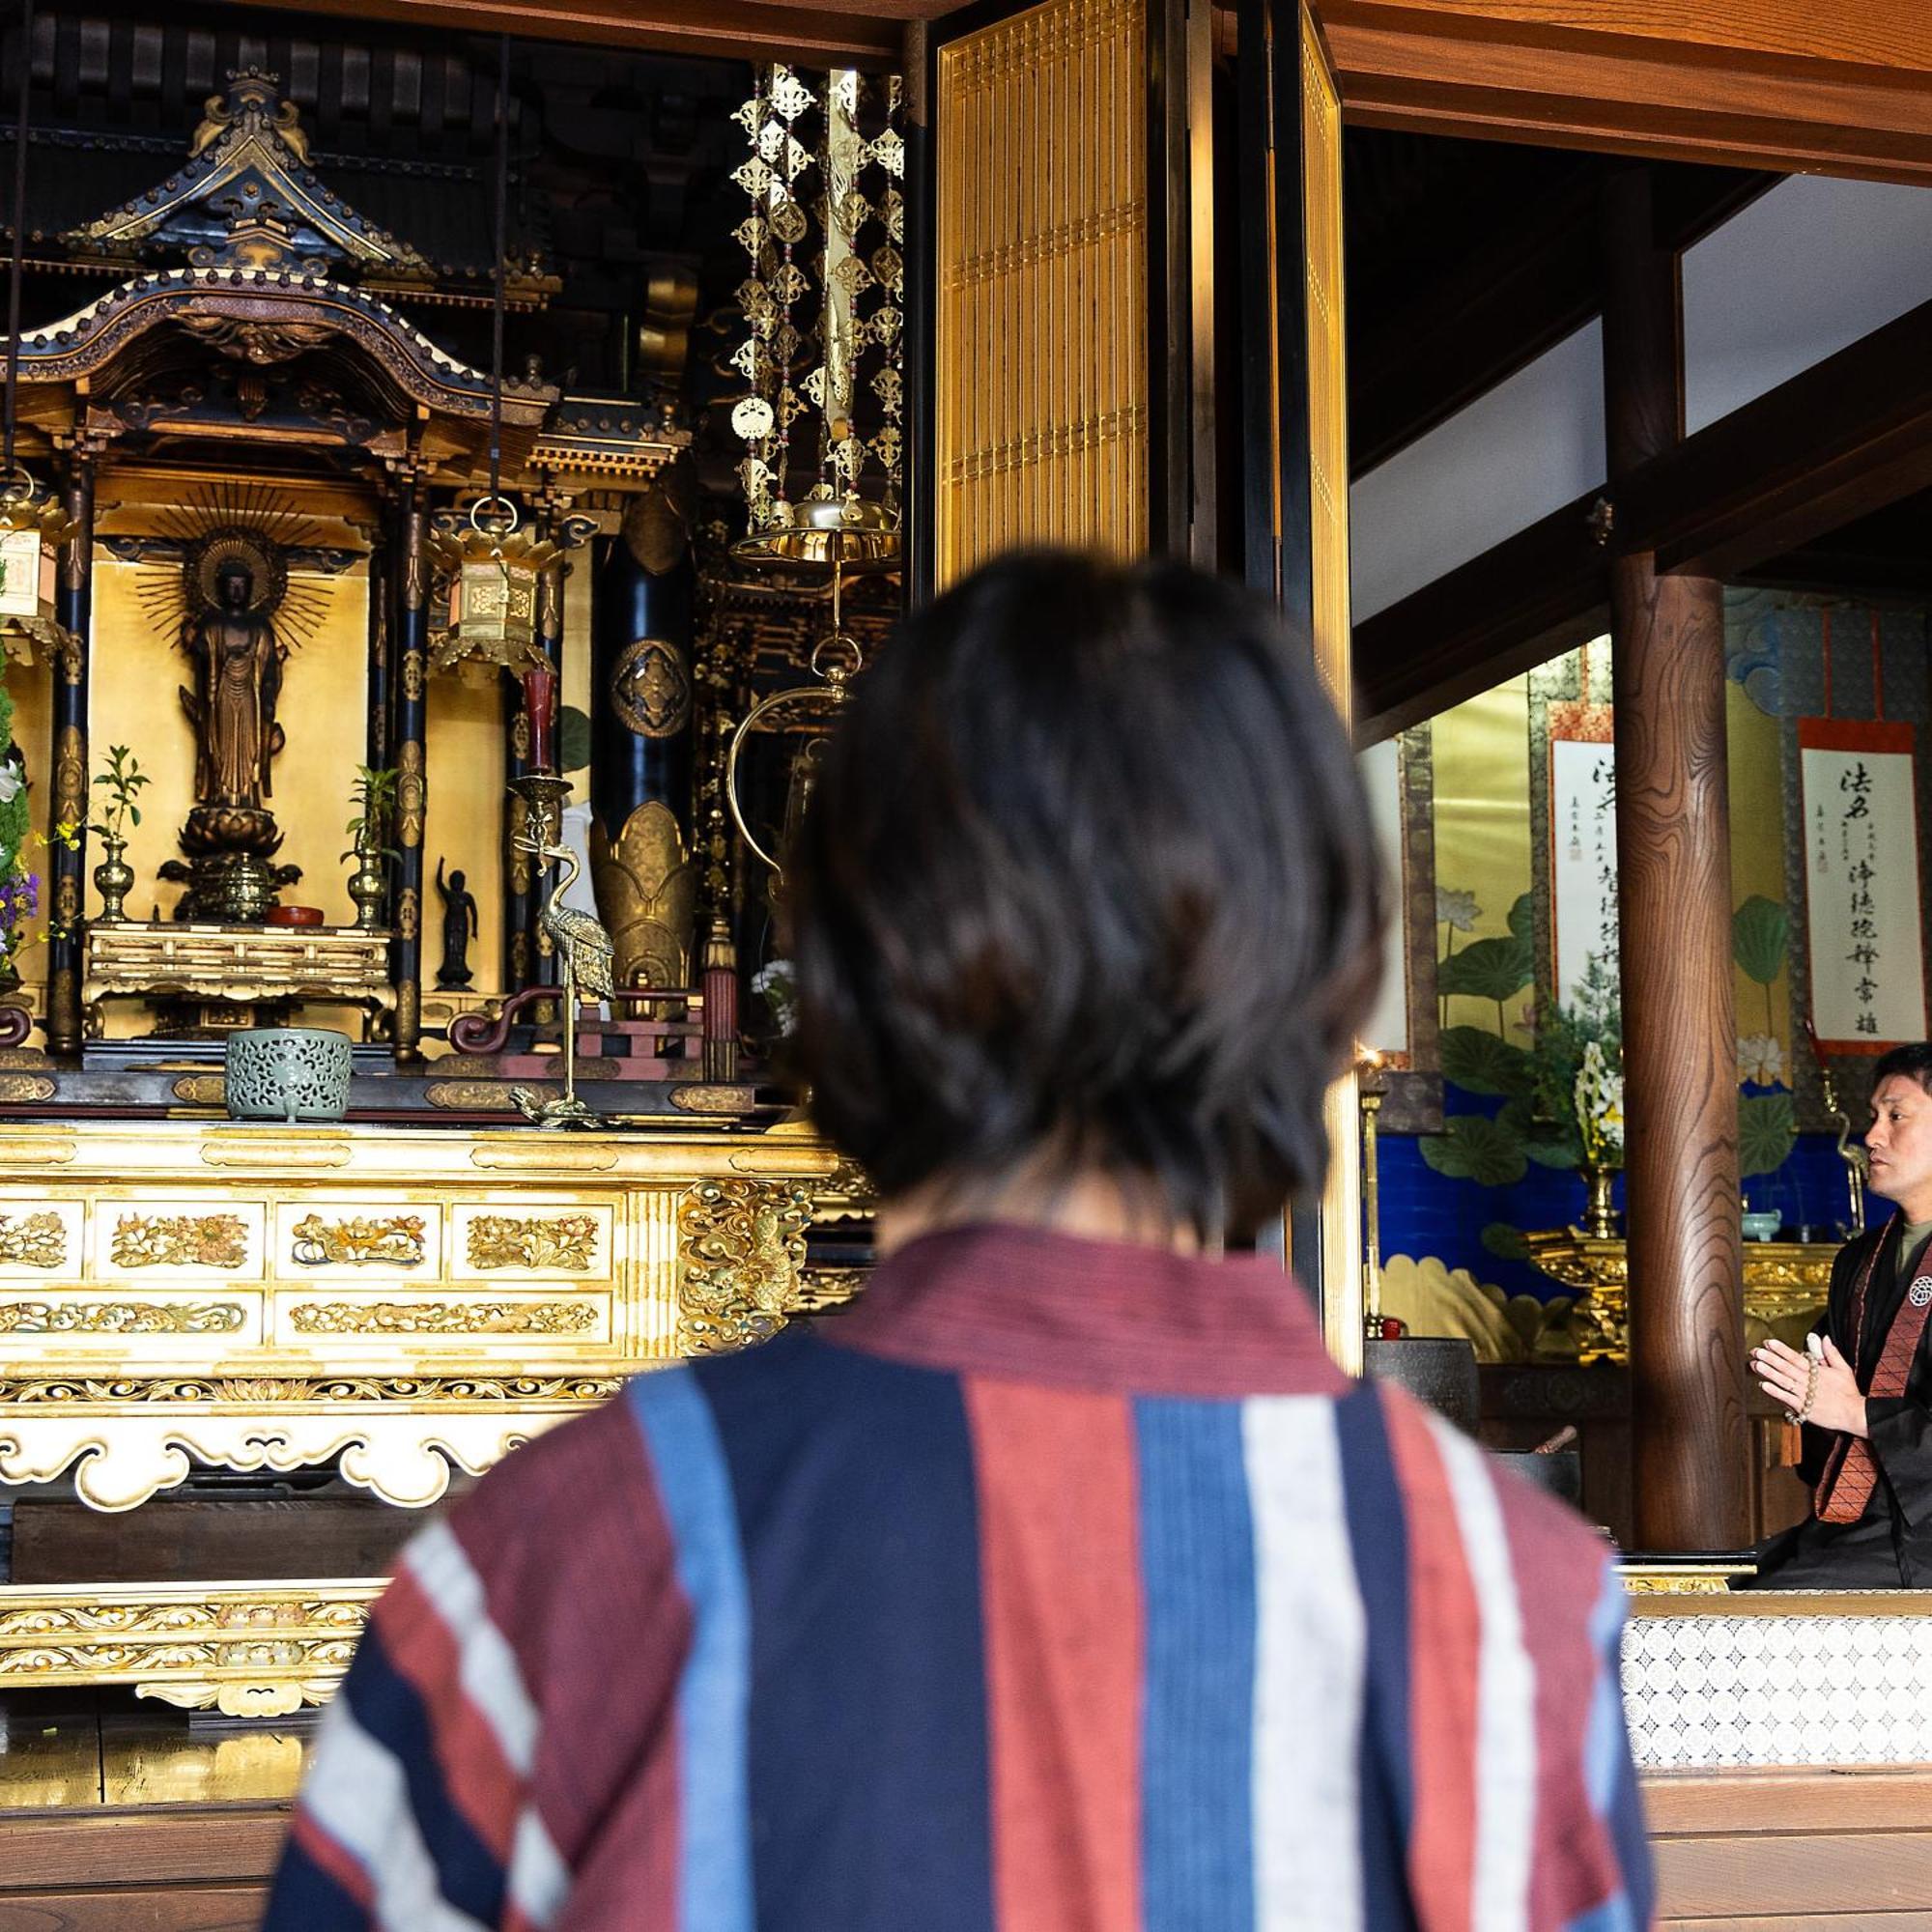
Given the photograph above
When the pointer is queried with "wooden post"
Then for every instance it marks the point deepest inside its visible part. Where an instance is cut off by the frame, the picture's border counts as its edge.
(412, 785)
(67, 863)
(1690, 1439)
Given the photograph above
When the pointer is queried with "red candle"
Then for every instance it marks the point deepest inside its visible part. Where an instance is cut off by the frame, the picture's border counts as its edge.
(540, 705)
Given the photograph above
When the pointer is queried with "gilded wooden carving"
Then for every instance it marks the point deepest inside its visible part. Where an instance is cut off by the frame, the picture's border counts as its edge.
(181, 1240)
(566, 1241)
(646, 887)
(443, 1318)
(296, 1392)
(742, 1243)
(249, 1650)
(33, 1241)
(118, 1317)
(395, 1240)
(465, 1097)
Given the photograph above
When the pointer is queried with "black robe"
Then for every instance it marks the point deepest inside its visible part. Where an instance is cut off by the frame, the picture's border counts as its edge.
(1890, 1546)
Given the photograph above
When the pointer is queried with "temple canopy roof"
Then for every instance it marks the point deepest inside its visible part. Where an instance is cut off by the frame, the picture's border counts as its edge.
(274, 320)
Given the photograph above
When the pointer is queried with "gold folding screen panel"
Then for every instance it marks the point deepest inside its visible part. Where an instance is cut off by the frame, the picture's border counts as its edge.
(1041, 330)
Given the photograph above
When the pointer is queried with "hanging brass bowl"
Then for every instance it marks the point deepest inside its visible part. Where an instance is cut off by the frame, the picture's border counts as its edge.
(849, 535)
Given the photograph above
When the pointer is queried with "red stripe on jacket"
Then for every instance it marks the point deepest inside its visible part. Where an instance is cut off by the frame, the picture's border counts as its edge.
(1061, 1593)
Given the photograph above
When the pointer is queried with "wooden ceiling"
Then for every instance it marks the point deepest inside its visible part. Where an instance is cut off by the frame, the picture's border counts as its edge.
(1836, 86)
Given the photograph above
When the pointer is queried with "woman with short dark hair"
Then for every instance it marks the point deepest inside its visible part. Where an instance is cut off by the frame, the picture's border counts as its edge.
(1064, 1582)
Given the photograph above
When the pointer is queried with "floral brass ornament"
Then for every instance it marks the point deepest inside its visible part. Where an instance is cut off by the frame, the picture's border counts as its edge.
(118, 1317)
(179, 1240)
(291, 1392)
(742, 1244)
(18, 1087)
(443, 1318)
(396, 1242)
(566, 1241)
(650, 687)
(33, 1241)
(464, 1096)
(410, 791)
(249, 1651)
(202, 1089)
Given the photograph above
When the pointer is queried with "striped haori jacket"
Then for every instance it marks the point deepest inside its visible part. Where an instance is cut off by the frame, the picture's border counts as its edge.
(1062, 1586)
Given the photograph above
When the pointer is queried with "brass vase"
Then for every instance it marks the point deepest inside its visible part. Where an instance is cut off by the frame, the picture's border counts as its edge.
(113, 880)
(366, 885)
(1599, 1216)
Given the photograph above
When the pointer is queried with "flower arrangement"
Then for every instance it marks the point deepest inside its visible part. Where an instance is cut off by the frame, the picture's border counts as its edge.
(1599, 1108)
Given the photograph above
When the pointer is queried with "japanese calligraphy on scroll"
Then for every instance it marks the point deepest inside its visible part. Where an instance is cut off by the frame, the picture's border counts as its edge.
(1582, 842)
(1861, 883)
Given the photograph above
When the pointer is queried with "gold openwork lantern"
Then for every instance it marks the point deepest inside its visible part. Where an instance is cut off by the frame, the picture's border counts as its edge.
(496, 565)
(33, 527)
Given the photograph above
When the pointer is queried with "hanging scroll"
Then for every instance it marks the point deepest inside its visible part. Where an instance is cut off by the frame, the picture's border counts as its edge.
(1582, 842)
(1861, 884)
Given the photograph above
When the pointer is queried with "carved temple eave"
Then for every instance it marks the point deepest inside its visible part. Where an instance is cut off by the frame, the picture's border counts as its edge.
(263, 318)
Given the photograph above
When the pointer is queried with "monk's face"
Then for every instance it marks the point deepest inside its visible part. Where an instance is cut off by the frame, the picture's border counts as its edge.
(1899, 1141)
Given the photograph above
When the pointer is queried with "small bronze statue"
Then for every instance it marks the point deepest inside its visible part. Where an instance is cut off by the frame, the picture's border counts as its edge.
(459, 929)
(239, 679)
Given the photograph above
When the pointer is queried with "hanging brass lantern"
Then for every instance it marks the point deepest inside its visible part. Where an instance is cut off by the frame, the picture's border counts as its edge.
(32, 527)
(496, 567)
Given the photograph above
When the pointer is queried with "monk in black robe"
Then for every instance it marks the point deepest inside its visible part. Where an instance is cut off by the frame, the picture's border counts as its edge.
(1863, 1389)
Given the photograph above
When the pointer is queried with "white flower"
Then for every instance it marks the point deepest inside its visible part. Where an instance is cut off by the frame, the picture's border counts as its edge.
(1760, 1058)
(1600, 1104)
(1456, 910)
(777, 984)
(11, 778)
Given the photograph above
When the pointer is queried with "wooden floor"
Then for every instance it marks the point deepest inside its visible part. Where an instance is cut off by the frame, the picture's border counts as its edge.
(118, 1816)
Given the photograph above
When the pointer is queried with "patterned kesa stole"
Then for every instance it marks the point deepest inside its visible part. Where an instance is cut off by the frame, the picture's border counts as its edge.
(1851, 1472)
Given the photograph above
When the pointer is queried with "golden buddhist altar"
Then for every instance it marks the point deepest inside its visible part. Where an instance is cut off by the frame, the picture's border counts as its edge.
(408, 1301)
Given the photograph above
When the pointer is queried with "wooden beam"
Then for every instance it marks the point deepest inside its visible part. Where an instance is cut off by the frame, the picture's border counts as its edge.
(1539, 592)
(1847, 437)
(1787, 84)
(864, 33)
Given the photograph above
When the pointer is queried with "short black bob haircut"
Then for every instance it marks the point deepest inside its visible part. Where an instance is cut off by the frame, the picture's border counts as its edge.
(1087, 878)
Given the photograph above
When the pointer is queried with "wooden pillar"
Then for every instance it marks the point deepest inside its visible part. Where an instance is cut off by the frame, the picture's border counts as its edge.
(1690, 1438)
(546, 968)
(517, 868)
(412, 732)
(74, 609)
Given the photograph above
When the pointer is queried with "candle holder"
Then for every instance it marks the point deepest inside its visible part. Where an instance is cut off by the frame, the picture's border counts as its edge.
(1368, 1099)
(582, 942)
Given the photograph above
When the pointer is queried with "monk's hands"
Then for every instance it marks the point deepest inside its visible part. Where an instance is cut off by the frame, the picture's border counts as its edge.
(1831, 1401)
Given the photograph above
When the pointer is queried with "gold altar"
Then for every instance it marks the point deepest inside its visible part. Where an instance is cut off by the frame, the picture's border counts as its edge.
(1782, 1280)
(408, 1300)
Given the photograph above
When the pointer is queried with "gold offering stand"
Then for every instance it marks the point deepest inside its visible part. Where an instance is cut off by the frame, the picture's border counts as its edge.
(1781, 1279)
(410, 1301)
(228, 967)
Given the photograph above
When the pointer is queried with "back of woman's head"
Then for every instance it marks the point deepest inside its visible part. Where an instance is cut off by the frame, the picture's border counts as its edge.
(1087, 878)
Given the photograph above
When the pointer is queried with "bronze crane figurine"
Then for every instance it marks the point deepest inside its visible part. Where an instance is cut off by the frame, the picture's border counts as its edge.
(588, 956)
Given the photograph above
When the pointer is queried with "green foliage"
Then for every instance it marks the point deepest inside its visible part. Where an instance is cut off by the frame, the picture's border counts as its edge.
(1481, 1062)
(374, 792)
(1505, 1242)
(123, 782)
(1556, 1056)
(1473, 1147)
(1522, 920)
(1764, 1131)
(1489, 969)
(1760, 933)
(573, 739)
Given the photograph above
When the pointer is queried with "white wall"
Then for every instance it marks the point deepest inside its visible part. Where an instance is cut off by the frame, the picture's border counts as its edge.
(1801, 273)
(1533, 443)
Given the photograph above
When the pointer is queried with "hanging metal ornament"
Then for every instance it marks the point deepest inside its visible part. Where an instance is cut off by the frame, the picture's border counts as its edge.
(33, 525)
(834, 525)
(494, 558)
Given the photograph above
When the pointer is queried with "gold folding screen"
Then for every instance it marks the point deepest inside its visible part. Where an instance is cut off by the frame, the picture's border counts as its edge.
(1040, 346)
